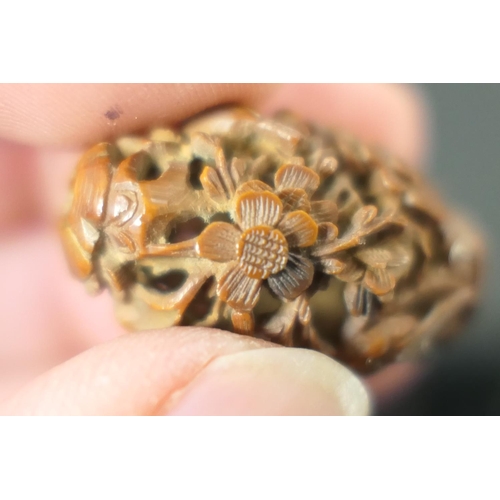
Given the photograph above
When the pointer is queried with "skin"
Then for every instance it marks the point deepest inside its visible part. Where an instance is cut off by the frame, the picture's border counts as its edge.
(62, 352)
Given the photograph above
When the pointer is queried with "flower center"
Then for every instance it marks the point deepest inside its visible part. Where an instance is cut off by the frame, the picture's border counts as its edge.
(262, 251)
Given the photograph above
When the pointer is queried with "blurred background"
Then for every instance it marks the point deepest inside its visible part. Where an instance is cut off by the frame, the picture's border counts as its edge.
(463, 378)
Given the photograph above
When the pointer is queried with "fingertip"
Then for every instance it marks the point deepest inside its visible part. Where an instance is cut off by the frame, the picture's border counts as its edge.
(196, 371)
(130, 375)
(274, 381)
(80, 114)
(390, 115)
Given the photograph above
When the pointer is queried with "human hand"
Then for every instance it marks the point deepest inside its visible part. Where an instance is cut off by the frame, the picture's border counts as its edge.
(47, 319)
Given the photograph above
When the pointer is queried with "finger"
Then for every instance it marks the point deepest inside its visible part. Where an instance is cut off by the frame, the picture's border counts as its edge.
(193, 371)
(45, 316)
(393, 116)
(78, 114)
(20, 194)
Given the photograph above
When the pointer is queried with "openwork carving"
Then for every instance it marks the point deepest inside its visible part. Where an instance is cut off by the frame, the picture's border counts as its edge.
(275, 228)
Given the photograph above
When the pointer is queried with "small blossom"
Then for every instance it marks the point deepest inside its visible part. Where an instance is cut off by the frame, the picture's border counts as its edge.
(264, 244)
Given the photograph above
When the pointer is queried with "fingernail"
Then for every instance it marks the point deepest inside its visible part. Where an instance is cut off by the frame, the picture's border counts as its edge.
(273, 381)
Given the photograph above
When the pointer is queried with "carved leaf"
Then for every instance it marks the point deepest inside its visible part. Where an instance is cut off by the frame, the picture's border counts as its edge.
(324, 211)
(333, 266)
(327, 232)
(222, 169)
(364, 216)
(328, 166)
(379, 281)
(211, 183)
(352, 271)
(364, 223)
(304, 310)
(389, 254)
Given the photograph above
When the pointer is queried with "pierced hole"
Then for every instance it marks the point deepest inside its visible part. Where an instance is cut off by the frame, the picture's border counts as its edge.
(267, 305)
(152, 173)
(202, 304)
(169, 282)
(343, 196)
(195, 169)
(328, 308)
(221, 217)
(183, 231)
(145, 168)
(158, 229)
(126, 275)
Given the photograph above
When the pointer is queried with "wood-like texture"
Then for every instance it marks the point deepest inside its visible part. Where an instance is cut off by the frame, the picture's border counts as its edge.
(275, 228)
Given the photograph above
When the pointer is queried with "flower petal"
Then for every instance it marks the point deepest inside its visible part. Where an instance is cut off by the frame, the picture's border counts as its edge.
(218, 242)
(324, 211)
(294, 279)
(333, 266)
(364, 216)
(299, 229)
(328, 165)
(258, 209)
(387, 254)
(296, 176)
(211, 183)
(272, 135)
(294, 199)
(364, 223)
(238, 290)
(209, 149)
(256, 186)
(223, 170)
(243, 322)
(379, 281)
(237, 170)
(327, 232)
(351, 272)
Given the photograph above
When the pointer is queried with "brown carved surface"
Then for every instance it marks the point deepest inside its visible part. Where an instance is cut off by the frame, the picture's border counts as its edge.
(275, 228)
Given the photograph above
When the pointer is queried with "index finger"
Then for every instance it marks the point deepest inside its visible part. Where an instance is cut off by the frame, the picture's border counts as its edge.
(79, 114)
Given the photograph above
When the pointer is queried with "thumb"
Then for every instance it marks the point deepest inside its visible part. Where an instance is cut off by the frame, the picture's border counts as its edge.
(193, 371)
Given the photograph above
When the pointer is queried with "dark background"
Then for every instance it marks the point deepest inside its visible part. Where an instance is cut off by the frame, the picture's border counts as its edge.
(463, 378)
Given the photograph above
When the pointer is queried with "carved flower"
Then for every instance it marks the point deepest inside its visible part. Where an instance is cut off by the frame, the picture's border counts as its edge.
(264, 244)
(295, 184)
